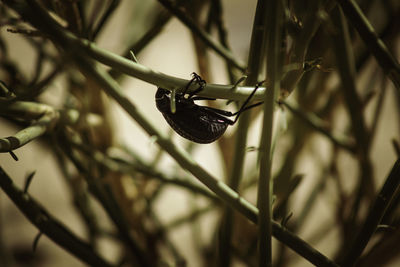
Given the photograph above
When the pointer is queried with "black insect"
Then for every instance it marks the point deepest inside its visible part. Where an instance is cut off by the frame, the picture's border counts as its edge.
(200, 124)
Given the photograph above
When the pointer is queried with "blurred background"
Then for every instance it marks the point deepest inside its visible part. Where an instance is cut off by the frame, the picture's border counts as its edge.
(332, 154)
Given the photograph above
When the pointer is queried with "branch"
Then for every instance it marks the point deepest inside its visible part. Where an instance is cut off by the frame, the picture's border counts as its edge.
(146, 74)
(255, 63)
(374, 216)
(203, 35)
(377, 47)
(313, 121)
(49, 225)
(223, 191)
(301, 247)
(274, 17)
(46, 117)
(132, 168)
(61, 36)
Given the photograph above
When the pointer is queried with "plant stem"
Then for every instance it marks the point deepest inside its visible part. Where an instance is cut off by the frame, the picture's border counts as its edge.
(374, 216)
(223, 191)
(49, 225)
(61, 36)
(204, 36)
(256, 56)
(274, 16)
(46, 117)
(377, 47)
(141, 72)
(346, 67)
(313, 121)
(132, 168)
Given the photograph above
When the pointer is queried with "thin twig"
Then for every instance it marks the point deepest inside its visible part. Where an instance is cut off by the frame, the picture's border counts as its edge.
(161, 19)
(310, 24)
(5, 94)
(112, 6)
(203, 35)
(377, 47)
(346, 67)
(320, 126)
(46, 117)
(132, 169)
(107, 200)
(374, 216)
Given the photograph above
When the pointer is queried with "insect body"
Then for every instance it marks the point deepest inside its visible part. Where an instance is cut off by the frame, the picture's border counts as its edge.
(200, 124)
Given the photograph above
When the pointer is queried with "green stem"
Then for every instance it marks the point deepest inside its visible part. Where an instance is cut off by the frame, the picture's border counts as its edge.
(256, 56)
(46, 117)
(274, 17)
(141, 72)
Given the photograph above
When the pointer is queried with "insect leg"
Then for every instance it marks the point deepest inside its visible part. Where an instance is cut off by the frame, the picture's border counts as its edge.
(228, 113)
(202, 98)
(188, 85)
(219, 114)
(219, 111)
(243, 107)
(200, 82)
(196, 78)
(248, 107)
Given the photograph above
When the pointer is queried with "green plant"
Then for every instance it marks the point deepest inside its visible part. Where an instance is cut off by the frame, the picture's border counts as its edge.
(312, 61)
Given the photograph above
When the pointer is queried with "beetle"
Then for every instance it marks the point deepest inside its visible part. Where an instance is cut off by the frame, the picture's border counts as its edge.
(200, 124)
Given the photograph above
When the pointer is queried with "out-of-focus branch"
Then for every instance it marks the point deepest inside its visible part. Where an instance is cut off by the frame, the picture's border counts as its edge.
(44, 116)
(346, 68)
(131, 168)
(320, 126)
(274, 16)
(221, 50)
(5, 94)
(44, 119)
(255, 63)
(312, 20)
(49, 225)
(374, 216)
(377, 47)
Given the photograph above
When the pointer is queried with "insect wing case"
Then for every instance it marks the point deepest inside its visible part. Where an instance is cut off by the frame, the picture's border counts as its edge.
(191, 121)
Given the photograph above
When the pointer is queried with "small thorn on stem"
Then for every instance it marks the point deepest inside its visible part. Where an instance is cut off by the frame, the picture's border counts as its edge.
(13, 155)
(28, 181)
(36, 241)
